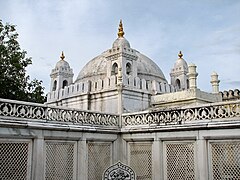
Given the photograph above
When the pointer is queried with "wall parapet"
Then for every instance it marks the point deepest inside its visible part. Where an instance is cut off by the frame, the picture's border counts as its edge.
(27, 111)
(222, 111)
(230, 95)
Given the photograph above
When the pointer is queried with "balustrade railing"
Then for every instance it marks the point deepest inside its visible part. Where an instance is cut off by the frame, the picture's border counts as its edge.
(25, 110)
(220, 110)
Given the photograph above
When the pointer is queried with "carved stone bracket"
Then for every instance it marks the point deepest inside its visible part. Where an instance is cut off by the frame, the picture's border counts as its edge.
(119, 171)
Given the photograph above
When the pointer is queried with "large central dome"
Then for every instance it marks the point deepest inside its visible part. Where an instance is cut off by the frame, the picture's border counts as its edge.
(97, 68)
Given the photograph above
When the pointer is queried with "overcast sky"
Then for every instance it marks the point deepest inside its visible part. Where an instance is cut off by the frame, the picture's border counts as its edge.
(206, 31)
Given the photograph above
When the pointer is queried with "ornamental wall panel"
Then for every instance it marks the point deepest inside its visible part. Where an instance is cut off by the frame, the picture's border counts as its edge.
(179, 160)
(224, 159)
(140, 159)
(99, 159)
(15, 159)
(60, 160)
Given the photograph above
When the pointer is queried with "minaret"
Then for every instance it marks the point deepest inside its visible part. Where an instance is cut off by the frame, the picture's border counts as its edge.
(61, 75)
(192, 76)
(215, 83)
(179, 77)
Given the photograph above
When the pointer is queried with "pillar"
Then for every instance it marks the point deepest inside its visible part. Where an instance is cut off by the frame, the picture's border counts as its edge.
(215, 83)
(192, 75)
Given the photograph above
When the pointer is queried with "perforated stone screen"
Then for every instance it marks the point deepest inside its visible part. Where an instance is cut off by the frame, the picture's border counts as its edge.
(15, 160)
(225, 160)
(99, 159)
(141, 160)
(180, 161)
(60, 160)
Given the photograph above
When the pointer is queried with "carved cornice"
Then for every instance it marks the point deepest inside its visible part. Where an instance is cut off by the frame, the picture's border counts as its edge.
(121, 54)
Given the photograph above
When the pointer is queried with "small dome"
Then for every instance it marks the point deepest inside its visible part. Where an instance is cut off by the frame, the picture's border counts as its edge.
(180, 62)
(214, 73)
(63, 64)
(121, 42)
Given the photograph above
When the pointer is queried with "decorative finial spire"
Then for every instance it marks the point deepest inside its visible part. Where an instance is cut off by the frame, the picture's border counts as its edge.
(120, 29)
(62, 56)
(180, 55)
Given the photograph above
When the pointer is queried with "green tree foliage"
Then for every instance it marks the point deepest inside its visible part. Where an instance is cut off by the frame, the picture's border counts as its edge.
(14, 82)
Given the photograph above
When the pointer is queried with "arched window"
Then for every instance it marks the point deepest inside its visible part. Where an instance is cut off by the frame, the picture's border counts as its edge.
(128, 68)
(83, 87)
(178, 84)
(114, 69)
(54, 85)
(95, 85)
(65, 83)
(187, 84)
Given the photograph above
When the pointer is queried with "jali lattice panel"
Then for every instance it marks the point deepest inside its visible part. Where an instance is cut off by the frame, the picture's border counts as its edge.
(140, 156)
(15, 159)
(225, 160)
(179, 160)
(99, 159)
(60, 161)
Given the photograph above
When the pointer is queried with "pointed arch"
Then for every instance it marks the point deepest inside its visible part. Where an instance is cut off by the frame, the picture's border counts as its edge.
(128, 68)
(114, 69)
(187, 84)
(54, 85)
(65, 83)
(178, 84)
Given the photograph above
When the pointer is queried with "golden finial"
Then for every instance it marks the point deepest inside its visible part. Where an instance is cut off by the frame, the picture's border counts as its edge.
(180, 55)
(62, 56)
(120, 29)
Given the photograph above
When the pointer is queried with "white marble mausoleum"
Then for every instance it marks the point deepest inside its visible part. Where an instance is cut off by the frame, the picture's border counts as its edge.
(122, 80)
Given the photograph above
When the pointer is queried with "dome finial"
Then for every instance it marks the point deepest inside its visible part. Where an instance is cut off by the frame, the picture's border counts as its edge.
(120, 29)
(180, 55)
(62, 56)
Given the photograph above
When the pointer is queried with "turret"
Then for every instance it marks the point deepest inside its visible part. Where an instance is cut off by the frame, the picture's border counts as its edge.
(215, 82)
(192, 76)
(179, 77)
(61, 75)
(121, 59)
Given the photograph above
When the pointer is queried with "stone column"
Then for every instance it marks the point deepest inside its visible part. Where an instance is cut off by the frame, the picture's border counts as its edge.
(192, 75)
(157, 173)
(82, 172)
(202, 159)
(38, 158)
(215, 83)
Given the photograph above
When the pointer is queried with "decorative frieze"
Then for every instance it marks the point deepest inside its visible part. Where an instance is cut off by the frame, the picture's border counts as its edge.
(115, 56)
(50, 113)
(182, 115)
(24, 110)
